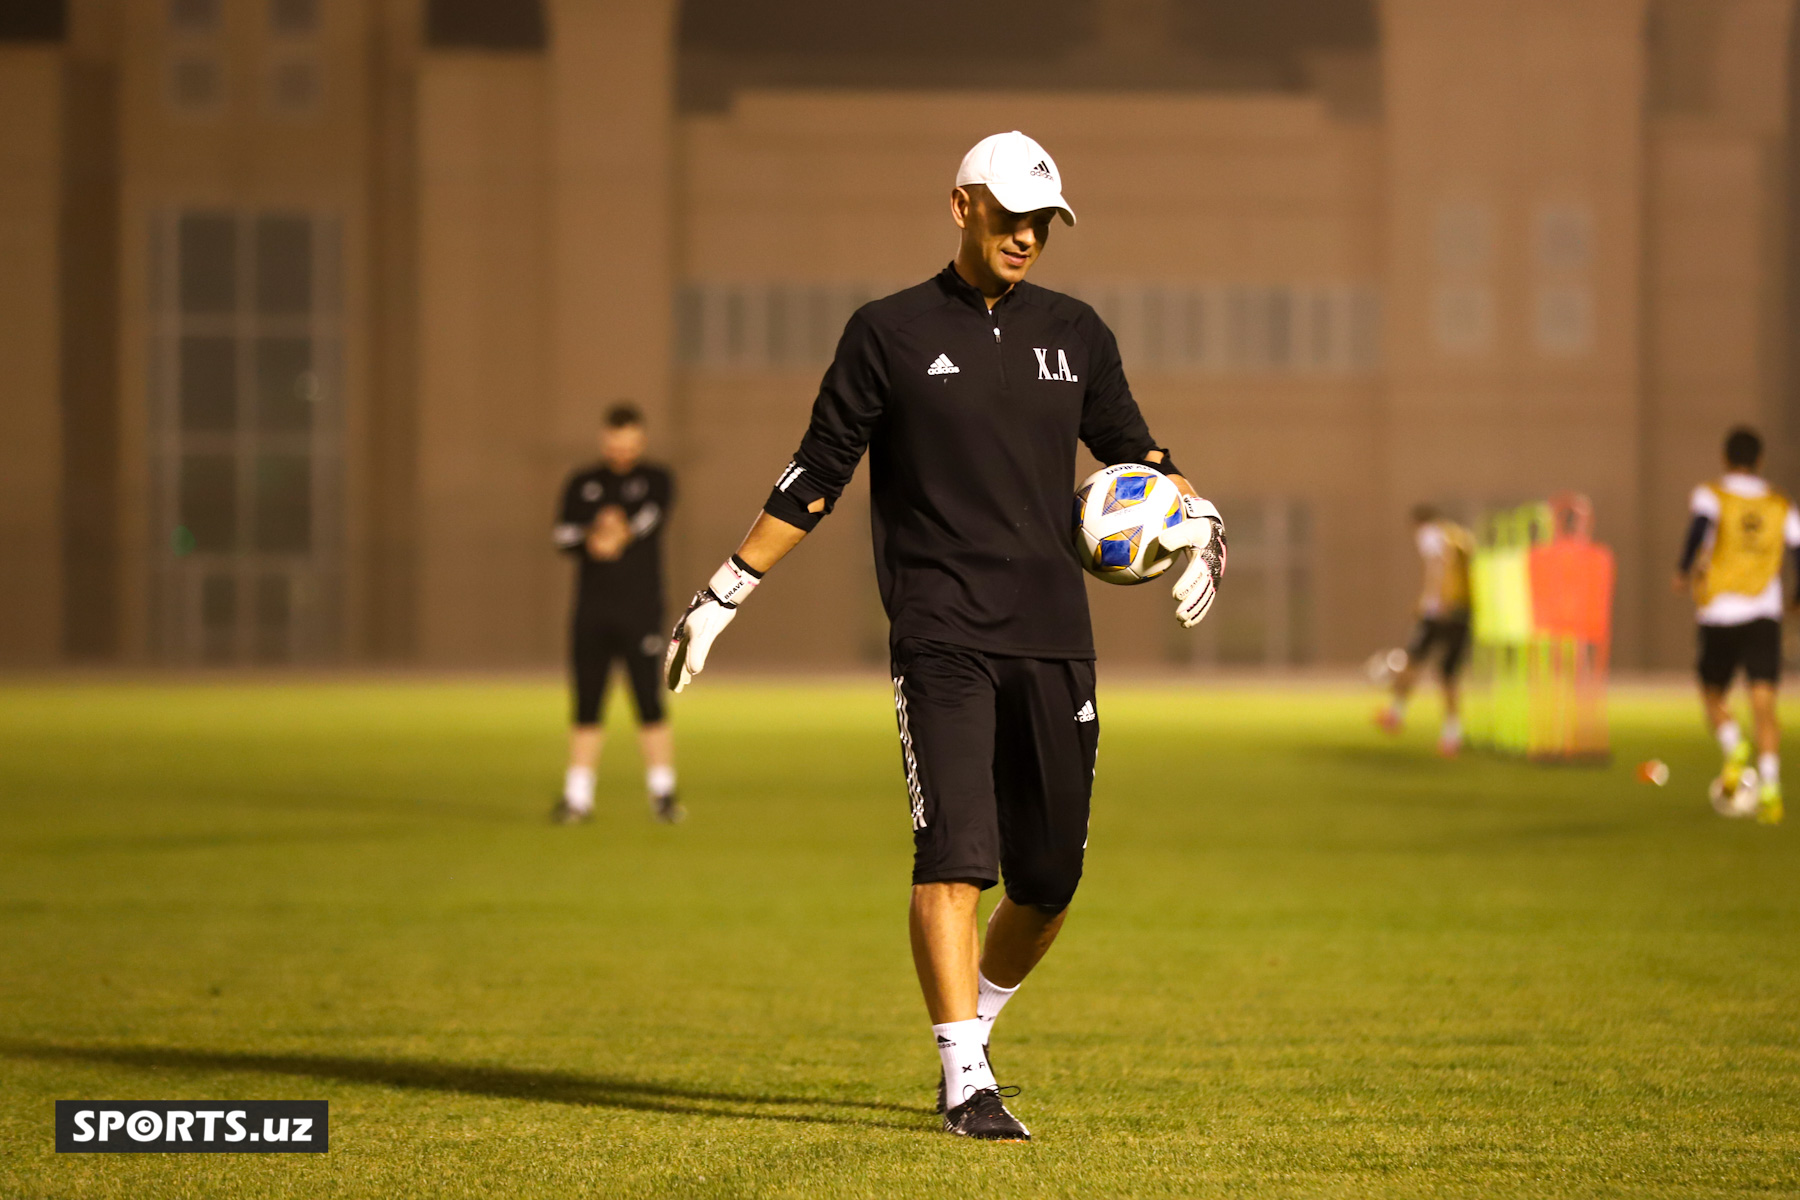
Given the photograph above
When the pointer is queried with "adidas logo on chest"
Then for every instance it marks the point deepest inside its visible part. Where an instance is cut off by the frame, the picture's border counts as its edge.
(943, 366)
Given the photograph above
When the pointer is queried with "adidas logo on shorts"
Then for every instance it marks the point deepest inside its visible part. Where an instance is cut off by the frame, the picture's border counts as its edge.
(943, 366)
(1087, 713)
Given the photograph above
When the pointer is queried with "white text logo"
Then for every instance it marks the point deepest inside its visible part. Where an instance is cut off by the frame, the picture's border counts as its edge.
(943, 366)
(1062, 366)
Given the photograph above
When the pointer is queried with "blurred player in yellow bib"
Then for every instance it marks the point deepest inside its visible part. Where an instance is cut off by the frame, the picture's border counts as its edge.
(1742, 533)
(1444, 549)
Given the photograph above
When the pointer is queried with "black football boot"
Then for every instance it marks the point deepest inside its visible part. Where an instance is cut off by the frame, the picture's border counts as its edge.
(984, 1116)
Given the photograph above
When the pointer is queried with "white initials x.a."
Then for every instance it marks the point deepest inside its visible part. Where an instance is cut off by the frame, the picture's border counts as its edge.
(1062, 371)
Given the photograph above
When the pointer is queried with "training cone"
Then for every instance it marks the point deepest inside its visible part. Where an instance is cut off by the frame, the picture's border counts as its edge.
(1654, 771)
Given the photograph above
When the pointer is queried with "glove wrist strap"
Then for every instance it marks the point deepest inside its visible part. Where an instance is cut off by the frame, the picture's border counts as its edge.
(734, 581)
(1193, 507)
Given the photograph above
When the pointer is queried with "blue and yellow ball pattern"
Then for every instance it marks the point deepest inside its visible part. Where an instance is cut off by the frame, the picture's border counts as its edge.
(1119, 511)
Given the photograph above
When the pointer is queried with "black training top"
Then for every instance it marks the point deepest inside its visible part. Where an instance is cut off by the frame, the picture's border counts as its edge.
(629, 588)
(971, 420)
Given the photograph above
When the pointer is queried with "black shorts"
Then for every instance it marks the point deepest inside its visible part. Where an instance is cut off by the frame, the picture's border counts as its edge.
(1450, 635)
(999, 761)
(1755, 646)
(595, 646)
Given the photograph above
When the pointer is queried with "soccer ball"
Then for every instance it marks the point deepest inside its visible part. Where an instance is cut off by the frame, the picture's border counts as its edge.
(1384, 665)
(1119, 511)
(1742, 802)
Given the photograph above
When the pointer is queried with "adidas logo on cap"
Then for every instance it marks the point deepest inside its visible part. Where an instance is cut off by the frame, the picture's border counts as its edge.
(943, 366)
(1019, 173)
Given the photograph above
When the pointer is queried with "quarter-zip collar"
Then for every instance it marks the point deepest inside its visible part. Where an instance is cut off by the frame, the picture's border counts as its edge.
(962, 289)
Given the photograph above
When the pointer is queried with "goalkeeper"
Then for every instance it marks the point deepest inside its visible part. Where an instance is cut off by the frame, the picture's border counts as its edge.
(969, 393)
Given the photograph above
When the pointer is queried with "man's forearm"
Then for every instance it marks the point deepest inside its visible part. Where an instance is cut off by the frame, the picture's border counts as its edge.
(1690, 545)
(767, 543)
(1180, 481)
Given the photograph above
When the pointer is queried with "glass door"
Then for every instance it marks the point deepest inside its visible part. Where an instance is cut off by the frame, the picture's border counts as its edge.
(246, 441)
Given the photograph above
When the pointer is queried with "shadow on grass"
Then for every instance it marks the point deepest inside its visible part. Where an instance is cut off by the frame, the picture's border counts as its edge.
(502, 1083)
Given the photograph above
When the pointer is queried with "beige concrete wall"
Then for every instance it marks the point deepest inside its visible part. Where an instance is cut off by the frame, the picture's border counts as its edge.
(89, 266)
(389, 498)
(31, 85)
(1715, 248)
(610, 101)
(609, 138)
(1513, 274)
(486, 476)
(847, 187)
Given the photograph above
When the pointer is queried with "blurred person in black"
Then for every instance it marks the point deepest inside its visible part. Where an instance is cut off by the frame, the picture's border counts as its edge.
(611, 523)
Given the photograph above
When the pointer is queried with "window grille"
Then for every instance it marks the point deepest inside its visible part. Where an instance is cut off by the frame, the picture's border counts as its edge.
(247, 444)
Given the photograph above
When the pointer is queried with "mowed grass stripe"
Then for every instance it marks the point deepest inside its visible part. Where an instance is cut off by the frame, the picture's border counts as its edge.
(1305, 961)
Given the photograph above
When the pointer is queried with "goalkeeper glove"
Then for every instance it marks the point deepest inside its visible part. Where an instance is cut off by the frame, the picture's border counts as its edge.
(1202, 534)
(706, 617)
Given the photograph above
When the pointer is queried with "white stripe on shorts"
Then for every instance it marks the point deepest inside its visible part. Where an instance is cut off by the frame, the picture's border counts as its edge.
(913, 790)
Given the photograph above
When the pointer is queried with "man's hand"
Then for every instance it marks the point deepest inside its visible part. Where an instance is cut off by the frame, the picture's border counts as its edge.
(611, 532)
(1202, 534)
(1680, 584)
(707, 615)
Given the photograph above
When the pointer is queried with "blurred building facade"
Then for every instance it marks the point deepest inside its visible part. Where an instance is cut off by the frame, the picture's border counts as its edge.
(311, 304)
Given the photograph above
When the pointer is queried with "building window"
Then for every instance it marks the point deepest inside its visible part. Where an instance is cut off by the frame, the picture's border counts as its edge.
(1462, 317)
(247, 445)
(196, 83)
(292, 18)
(295, 87)
(1563, 296)
(1563, 319)
(194, 16)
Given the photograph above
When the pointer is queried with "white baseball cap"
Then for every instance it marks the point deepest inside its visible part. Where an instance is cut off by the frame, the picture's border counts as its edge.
(1022, 177)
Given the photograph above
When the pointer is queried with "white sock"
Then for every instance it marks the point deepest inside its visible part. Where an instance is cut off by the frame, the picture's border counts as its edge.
(1769, 767)
(660, 781)
(989, 1001)
(1452, 729)
(578, 788)
(966, 1071)
(1729, 736)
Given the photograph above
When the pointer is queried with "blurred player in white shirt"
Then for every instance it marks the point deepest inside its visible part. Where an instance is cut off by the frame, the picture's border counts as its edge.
(1443, 610)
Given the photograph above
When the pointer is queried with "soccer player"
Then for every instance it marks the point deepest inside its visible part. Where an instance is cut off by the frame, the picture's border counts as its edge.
(611, 523)
(1443, 609)
(1742, 529)
(970, 393)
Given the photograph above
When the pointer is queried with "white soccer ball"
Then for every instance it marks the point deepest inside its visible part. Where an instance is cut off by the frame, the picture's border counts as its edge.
(1744, 802)
(1119, 511)
(1383, 665)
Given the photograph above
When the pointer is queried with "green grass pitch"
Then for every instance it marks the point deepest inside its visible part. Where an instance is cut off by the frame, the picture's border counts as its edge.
(1305, 961)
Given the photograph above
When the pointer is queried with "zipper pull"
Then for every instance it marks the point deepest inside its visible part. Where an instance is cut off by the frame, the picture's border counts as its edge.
(996, 333)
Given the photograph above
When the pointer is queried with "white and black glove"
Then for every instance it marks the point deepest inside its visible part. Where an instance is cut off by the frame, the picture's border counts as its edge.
(707, 615)
(1202, 534)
